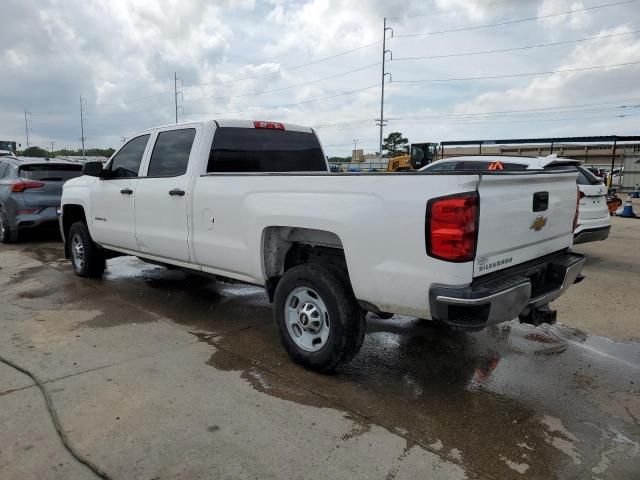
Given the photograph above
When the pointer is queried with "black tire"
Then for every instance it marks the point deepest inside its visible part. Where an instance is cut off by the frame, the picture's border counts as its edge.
(347, 322)
(6, 234)
(92, 263)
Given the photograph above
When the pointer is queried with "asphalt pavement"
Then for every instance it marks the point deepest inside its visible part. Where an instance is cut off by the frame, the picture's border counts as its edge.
(156, 374)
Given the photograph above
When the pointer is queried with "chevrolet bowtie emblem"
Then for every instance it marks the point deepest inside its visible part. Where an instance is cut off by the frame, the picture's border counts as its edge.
(539, 223)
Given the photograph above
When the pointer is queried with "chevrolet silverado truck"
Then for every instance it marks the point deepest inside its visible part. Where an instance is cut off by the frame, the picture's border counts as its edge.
(255, 202)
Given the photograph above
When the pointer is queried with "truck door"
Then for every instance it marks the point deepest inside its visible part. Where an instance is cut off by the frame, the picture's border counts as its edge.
(163, 197)
(112, 215)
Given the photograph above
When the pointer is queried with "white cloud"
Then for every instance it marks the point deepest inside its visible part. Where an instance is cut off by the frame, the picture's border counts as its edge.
(574, 21)
(122, 56)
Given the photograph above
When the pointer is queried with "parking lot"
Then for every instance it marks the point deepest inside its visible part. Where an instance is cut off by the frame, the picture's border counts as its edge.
(156, 374)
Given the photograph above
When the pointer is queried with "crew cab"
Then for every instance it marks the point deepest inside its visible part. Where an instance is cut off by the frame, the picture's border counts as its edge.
(255, 202)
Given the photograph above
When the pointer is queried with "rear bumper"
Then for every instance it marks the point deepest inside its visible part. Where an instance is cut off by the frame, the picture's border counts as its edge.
(504, 295)
(32, 220)
(591, 235)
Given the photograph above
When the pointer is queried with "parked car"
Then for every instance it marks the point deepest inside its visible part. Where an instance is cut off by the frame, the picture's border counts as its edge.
(256, 202)
(599, 172)
(594, 222)
(30, 191)
(616, 176)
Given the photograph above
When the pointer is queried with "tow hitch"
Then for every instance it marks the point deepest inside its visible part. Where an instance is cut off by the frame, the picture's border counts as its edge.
(538, 316)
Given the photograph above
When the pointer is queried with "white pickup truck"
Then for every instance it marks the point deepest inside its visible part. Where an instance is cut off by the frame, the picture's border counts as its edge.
(255, 202)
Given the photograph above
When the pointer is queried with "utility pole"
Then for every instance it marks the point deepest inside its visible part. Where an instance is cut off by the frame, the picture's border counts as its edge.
(384, 74)
(176, 92)
(52, 143)
(26, 124)
(82, 126)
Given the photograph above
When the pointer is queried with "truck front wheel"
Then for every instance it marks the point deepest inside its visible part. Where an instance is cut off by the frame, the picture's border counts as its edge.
(86, 257)
(318, 318)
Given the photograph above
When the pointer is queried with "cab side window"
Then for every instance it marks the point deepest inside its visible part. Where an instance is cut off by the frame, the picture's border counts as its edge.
(126, 163)
(171, 153)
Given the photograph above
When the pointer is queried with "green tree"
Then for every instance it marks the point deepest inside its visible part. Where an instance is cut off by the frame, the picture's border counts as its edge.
(35, 152)
(394, 144)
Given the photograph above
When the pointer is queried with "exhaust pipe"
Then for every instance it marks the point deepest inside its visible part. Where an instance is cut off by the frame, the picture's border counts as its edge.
(538, 316)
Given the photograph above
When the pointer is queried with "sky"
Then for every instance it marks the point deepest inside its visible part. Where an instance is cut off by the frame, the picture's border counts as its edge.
(459, 69)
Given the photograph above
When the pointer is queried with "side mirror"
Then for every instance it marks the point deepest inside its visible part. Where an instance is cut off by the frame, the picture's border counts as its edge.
(92, 169)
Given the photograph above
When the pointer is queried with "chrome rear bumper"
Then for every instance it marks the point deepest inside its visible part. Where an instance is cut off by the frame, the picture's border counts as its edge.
(504, 295)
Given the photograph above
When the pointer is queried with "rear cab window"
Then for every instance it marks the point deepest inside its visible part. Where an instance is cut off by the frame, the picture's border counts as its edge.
(50, 172)
(262, 150)
(490, 165)
(477, 166)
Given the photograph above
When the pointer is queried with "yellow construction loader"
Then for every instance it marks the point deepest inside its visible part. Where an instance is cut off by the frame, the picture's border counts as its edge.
(419, 155)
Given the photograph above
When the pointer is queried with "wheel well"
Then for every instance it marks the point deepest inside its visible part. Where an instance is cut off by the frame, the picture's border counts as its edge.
(70, 215)
(286, 247)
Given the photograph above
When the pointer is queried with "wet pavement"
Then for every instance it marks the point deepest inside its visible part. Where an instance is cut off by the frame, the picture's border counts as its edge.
(193, 368)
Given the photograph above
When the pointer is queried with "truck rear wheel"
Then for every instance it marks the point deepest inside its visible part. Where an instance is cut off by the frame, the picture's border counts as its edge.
(318, 318)
(86, 257)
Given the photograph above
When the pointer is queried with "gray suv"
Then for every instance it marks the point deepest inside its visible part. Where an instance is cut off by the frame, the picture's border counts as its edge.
(30, 191)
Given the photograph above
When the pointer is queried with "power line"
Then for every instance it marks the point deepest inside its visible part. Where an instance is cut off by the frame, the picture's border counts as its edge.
(512, 22)
(567, 109)
(264, 92)
(455, 10)
(287, 69)
(275, 107)
(578, 105)
(493, 77)
(509, 120)
(513, 49)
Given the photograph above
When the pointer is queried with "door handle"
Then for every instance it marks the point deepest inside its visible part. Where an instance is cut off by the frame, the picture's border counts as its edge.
(176, 192)
(126, 191)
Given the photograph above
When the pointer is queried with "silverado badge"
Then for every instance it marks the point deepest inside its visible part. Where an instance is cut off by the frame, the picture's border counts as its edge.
(538, 223)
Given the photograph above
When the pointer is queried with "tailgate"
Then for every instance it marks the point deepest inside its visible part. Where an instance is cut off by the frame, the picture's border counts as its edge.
(522, 217)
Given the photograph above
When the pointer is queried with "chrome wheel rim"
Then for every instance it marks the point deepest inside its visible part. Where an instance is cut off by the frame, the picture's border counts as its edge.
(77, 252)
(307, 319)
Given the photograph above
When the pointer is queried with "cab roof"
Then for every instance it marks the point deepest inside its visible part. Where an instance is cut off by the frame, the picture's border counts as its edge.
(235, 123)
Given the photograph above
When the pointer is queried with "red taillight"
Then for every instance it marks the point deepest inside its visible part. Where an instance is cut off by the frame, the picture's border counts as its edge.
(452, 227)
(22, 186)
(575, 217)
(270, 125)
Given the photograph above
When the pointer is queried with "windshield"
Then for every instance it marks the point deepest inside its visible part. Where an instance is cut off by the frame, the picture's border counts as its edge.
(50, 172)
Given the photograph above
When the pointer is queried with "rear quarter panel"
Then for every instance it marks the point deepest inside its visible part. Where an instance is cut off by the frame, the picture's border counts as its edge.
(380, 220)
